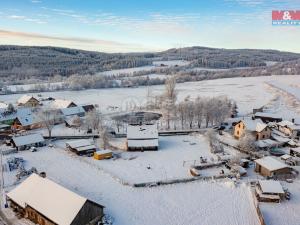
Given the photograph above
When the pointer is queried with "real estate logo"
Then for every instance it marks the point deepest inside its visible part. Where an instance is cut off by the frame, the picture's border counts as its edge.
(286, 17)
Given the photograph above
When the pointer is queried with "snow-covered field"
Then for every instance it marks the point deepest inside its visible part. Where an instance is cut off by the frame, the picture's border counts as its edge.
(249, 93)
(193, 203)
(167, 163)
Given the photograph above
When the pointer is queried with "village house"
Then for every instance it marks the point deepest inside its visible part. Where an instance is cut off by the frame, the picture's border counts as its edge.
(45, 202)
(28, 101)
(270, 167)
(267, 117)
(27, 122)
(289, 128)
(256, 128)
(26, 141)
(62, 104)
(269, 191)
(142, 137)
(81, 147)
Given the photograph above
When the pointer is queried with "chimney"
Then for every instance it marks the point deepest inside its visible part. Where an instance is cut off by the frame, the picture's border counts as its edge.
(293, 120)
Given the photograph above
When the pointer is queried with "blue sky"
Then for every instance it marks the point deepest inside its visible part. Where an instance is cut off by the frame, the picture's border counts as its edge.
(149, 25)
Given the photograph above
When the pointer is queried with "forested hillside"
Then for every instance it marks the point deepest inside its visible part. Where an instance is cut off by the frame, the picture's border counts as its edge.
(42, 63)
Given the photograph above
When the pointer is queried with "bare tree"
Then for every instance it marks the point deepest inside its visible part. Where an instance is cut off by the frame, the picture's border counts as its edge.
(49, 118)
(247, 143)
(170, 96)
(95, 121)
(199, 111)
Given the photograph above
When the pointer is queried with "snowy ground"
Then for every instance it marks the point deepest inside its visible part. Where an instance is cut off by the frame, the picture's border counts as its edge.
(183, 204)
(175, 156)
(249, 93)
(286, 212)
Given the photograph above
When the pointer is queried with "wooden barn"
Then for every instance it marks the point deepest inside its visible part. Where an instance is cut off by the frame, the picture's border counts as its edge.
(81, 147)
(271, 167)
(45, 202)
(28, 101)
(26, 141)
(142, 137)
(258, 129)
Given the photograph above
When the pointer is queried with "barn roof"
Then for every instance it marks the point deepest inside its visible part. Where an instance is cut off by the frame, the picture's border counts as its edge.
(267, 115)
(81, 145)
(142, 132)
(25, 98)
(270, 163)
(61, 103)
(27, 139)
(72, 111)
(271, 187)
(50, 199)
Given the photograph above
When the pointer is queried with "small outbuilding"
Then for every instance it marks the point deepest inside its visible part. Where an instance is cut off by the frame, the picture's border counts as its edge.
(26, 141)
(142, 137)
(45, 202)
(271, 167)
(103, 154)
(81, 147)
(269, 191)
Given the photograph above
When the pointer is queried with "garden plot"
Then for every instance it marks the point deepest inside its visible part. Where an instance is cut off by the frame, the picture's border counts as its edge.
(172, 161)
(183, 204)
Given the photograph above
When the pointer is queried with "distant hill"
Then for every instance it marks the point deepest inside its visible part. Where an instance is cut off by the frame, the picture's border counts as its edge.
(21, 63)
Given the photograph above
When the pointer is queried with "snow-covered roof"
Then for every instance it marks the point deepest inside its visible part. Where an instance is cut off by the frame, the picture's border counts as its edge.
(270, 163)
(280, 138)
(61, 103)
(103, 152)
(142, 132)
(254, 125)
(50, 199)
(271, 187)
(27, 139)
(297, 121)
(24, 99)
(296, 150)
(285, 156)
(3, 105)
(285, 123)
(143, 143)
(266, 143)
(81, 145)
(267, 115)
(21, 112)
(72, 111)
